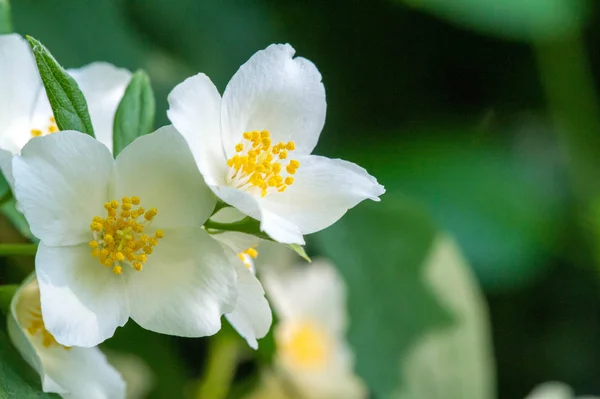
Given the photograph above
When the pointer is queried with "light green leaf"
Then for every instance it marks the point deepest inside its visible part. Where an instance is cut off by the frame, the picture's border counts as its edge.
(515, 19)
(380, 250)
(299, 249)
(67, 101)
(454, 362)
(9, 209)
(135, 114)
(5, 17)
(17, 379)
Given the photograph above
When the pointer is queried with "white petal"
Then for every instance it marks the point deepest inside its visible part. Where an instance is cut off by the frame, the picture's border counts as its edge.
(236, 242)
(160, 169)
(276, 227)
(252, 316)
(314, 292)
(61, 182)
(323, 190)
(275, 92)
(83, 302)
(20, 85)
(552, 390)
(6, 167)
(185, 287)
(103, 86)
(194, 110)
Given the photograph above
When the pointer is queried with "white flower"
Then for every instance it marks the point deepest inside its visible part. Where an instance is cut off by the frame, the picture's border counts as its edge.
(72, 372)
(253, 145)
(252, 316)
(555, 390)
(24, 108)
(311, 350)
(104, 258)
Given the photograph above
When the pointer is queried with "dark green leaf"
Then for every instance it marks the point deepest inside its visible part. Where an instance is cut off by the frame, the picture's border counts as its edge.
(67, 101)
(380, 250)
(135, 115)
(5, 17)
(17, 379)
(9, 209)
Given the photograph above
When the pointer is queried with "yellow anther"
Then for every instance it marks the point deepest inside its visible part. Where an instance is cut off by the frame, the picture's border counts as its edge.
(257, 166)
(120, 240)
(252, 252)
(36, 132)
(52, 129)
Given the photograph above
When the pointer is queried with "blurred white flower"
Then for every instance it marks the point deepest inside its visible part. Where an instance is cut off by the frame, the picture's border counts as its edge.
(252, 316)
(253, 145)
(72, 372)
(137, 374)
(25, 112)
(555, 390)
(311, 349)
(103, 257)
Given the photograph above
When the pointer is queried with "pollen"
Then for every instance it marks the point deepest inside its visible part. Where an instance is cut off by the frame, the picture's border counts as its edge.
(121, 238)
(49, 128)
(258, 164)
(37, 326)
(247, 255)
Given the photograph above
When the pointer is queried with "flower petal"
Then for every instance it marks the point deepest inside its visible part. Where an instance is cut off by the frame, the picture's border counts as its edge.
(83, 302)
(185, 287)
(252, 315)
(275, 92)
(103, 86)
(159, 168)
(314, 292)
(323, 190)
(276, 227)
(194, 110)
(61, 182)
(20, 85)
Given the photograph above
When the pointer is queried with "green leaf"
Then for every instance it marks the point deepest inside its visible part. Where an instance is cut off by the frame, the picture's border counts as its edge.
(454, 362)
(9, 209)
(380, 250)
(17, 379)
(5, 17)
(135, 114)
(515, 19)
(67, 101)
(299, 249)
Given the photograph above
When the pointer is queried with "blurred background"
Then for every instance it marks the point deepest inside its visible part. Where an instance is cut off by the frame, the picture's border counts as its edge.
(481, 118)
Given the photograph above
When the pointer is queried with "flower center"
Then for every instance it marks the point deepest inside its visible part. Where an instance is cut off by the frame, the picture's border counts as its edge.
(119, 238)
(247, 255)
(304, 345)
(49, 129)
(257, 165)
(37, 326)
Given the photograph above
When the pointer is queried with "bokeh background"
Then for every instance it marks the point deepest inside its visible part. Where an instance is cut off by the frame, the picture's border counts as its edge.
(481, 117)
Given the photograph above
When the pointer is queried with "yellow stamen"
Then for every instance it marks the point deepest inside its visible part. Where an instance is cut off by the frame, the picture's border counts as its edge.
(257, 166)
(304, 345)
(37, 326)
(48, 129)
(120, 240)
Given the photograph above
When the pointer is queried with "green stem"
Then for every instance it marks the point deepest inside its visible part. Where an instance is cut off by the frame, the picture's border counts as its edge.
(18, 249)
(218, 206)
(5, 17)
(222, 362)
(246, 225)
